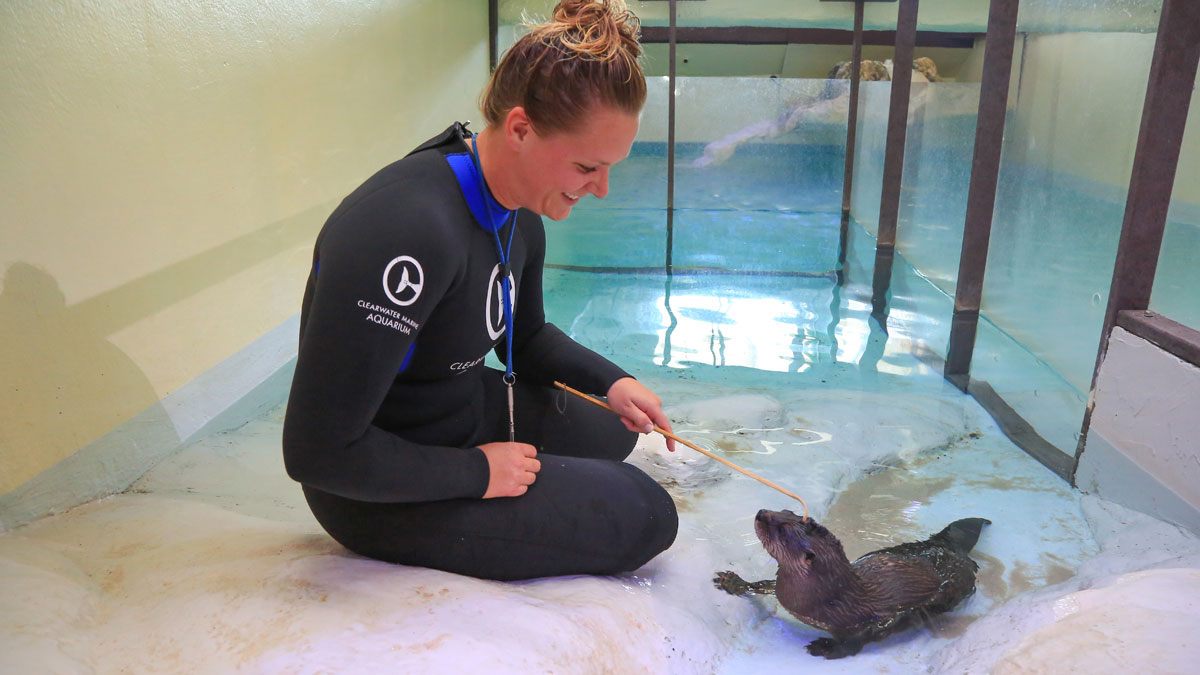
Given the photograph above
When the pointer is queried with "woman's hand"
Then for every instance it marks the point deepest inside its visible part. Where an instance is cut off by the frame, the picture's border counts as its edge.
(513, 468)
(640, 409)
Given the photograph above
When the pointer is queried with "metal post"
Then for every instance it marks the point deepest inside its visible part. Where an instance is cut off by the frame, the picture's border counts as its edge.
(671, 142)
(893, 162)
(851, 132)
(981, 198)
(493, 28)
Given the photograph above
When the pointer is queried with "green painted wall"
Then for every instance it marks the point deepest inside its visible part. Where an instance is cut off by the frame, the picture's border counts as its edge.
(164, 168)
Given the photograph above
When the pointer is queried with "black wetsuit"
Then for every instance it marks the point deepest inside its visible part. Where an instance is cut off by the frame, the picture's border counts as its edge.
(391, 398)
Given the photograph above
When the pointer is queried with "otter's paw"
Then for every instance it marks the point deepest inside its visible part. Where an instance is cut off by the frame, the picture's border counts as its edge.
(833, 649)
(731, 583)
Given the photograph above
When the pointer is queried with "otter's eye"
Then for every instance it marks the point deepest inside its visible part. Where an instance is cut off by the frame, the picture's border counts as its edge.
(809, 555)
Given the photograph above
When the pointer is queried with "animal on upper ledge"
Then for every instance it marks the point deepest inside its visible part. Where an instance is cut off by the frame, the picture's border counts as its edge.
(879, 594)
(924, 70)
(834, 97)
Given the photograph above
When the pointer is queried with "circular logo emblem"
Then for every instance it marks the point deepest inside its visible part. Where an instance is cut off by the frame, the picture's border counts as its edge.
(495, 302)
(403, 279)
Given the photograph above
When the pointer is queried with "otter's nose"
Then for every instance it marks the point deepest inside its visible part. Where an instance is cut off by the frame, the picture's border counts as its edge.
(768, 517)
(776, 518)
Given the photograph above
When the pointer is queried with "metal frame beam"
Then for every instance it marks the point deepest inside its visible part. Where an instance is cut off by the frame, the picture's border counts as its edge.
(493, 30)
(893, 159)
(767, 35)
(981, 197)
(672, 29)
(851, 139)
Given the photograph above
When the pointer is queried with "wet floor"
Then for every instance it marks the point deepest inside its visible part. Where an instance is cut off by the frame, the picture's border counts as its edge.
(212, 563)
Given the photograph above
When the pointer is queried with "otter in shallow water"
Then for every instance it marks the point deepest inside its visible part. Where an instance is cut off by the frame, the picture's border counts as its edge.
(882, 592)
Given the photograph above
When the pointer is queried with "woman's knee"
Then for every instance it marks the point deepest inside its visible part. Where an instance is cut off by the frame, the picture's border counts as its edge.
(579, 429)
(659, 520)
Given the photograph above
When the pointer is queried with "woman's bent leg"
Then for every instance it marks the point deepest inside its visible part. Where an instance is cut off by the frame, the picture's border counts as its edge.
(581, 516)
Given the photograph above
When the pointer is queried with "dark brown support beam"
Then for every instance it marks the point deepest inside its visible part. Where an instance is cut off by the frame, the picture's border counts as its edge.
(981, 197)
(1021, 432)
(1164, 115)
(766, 35)
(671, 142)
(1016, 428)
(893, 158)
(851, 133)
(493, 29)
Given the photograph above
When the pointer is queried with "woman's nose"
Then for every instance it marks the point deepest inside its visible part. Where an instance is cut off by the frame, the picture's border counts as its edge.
(600, 189)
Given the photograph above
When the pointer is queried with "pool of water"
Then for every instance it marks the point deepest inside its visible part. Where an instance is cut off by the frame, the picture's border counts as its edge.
(754, 252)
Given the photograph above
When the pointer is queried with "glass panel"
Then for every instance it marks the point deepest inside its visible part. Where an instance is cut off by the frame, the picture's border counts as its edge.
(933, 204)
(1177, 283)
(945, 15)
(1067, 156)
(870, 142)
(758, 196)
(1087, 15)
(759, 160)
(937, 173)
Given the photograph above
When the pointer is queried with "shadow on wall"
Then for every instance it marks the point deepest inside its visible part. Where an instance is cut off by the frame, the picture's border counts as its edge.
(63, 384)
(79, 414)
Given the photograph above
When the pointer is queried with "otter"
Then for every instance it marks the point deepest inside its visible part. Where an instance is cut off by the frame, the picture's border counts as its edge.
(881, 593)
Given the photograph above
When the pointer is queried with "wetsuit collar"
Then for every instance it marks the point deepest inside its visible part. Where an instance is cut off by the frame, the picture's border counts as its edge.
(489, 214)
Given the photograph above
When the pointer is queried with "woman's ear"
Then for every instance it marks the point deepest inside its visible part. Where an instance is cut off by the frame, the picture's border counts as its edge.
(517, 127)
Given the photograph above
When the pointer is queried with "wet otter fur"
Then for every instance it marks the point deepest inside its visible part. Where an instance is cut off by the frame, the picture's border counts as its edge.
(881, 593)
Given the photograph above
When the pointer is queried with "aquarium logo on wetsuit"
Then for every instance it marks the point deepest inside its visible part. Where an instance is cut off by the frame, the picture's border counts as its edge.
(495, 302)
(405, 275)
(403, 279)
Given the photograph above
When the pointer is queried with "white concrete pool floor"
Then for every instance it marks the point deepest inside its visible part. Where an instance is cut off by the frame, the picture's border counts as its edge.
(211, 563)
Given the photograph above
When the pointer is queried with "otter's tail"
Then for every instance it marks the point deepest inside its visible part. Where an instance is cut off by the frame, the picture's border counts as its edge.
(961, 535)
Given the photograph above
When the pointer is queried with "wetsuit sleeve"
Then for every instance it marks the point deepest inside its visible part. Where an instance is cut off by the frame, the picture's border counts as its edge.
(542, 353)
(354, 339)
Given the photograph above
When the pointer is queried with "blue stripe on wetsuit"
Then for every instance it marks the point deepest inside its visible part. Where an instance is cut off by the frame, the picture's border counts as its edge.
(468, 181)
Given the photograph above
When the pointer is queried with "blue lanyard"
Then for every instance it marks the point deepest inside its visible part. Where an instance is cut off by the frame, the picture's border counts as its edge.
(509, 376)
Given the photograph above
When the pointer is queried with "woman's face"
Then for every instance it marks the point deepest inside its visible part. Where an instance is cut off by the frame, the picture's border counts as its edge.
(559, 169)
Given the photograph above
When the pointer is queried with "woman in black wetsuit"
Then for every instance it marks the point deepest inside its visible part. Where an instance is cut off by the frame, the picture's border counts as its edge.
(402, 438)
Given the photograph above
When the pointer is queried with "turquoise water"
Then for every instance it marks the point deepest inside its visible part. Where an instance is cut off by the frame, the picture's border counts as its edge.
(755, 267)
(755, 255)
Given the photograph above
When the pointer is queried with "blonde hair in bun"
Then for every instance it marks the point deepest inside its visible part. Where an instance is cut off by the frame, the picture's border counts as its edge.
(586, 55)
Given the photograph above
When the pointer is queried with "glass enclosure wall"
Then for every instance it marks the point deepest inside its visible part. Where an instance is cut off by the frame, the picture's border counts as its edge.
(628, 230)
(758, 186)
(933, 202)
(759, 160)
(1079, 78)
(758, 182)
(1175, 285)
(1072, 127)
